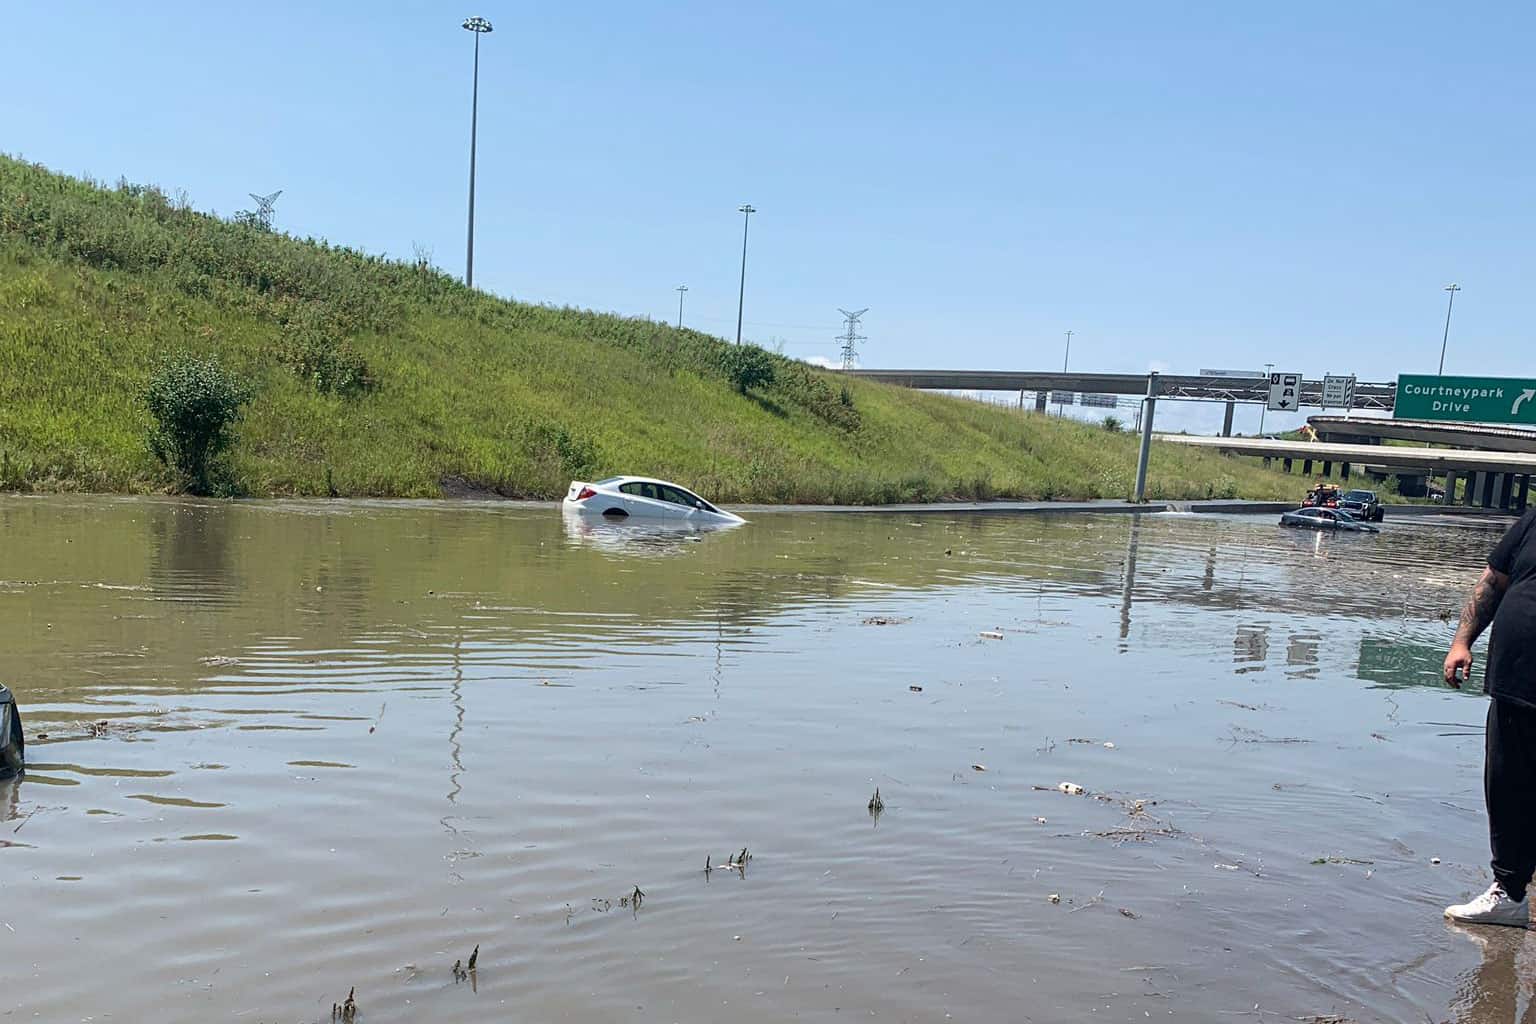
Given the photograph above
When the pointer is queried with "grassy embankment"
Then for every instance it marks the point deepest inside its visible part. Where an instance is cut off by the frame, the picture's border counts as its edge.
(389, 378)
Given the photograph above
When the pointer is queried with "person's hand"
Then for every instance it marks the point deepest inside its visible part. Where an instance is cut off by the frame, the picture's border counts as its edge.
(1458, 665)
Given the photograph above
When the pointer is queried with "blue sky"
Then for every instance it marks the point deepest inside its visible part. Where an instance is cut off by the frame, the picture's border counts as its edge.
(1183, 186)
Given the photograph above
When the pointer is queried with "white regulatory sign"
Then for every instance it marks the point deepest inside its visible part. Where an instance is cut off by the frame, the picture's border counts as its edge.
(1338, 392)
(1284, 392)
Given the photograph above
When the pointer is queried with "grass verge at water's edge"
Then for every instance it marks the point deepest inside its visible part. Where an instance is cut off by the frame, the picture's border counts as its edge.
(386, 378)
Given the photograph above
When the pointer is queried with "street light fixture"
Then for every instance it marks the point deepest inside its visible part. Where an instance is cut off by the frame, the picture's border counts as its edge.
(1453, 289)
(747, 210)
(479, 26)
(680, 290)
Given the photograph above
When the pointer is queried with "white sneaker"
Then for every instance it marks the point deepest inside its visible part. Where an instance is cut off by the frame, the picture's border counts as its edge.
(1492, 907)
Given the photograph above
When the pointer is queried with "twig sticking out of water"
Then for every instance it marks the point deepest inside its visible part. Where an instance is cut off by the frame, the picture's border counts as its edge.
(346, 1012)
(876, 805)
(633, 900)
(473, 957)
(459, 973)
(376, 721)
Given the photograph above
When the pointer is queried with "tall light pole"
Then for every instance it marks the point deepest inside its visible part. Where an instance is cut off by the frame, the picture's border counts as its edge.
(1061, 410)
(1268, 369)
(680, 290)
(479, 26)
(1453, 289)
(747, 211)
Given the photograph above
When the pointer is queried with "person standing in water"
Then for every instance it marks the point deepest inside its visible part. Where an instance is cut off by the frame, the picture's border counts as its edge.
(1505, 598)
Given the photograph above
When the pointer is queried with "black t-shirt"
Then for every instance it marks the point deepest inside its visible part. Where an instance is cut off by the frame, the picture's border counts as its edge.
(1511, 673)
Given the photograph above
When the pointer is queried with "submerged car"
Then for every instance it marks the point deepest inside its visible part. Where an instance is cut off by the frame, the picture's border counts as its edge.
(1326, 519)
(12, 742)
(620, 497)
(1362, 505)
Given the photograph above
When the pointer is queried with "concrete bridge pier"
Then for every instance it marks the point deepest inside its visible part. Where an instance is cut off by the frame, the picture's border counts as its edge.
(1450, 487)
(1039, 401)
(1226, 420)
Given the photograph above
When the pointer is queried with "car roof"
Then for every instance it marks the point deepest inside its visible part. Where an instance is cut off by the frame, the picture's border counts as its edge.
(617, 480)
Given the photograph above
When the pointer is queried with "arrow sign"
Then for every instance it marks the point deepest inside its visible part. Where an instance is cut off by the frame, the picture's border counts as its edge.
(1525, 396)
(1284, 391)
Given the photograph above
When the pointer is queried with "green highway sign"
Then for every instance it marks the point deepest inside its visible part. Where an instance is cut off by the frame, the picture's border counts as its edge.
(1466, 399)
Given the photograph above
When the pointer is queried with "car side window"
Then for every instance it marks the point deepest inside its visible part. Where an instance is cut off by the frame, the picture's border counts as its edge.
(630, 489)
(676, 497)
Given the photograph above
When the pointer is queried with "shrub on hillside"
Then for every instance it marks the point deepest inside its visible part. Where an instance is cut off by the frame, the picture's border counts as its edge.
(809, 389)
(747, 367)
(1113, 424)
(318, 356)
(195, 404)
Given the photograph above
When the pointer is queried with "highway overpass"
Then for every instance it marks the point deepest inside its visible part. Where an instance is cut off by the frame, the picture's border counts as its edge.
(1231, 390)
(1493, 479)
(1378, 396)
(1457, 435)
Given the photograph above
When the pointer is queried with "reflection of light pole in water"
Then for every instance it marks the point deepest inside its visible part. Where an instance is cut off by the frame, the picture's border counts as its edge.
(1268, 368)
(1128, 585)
(455, 750)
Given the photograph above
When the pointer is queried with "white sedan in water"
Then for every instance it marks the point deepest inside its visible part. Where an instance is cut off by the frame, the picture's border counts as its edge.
(620, 497)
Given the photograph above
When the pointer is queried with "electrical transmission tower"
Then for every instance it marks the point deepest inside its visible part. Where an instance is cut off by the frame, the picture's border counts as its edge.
(850, 338)
(263, 211)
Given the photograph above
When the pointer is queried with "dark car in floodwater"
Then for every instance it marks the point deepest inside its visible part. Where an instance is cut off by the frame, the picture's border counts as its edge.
(1362, 505)
(1326, 519)
(12, 742)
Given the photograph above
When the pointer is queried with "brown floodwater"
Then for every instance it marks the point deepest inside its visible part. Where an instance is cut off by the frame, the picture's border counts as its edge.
(279, 750)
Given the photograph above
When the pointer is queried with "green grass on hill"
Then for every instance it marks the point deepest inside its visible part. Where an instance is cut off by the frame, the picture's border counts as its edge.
(387, 378)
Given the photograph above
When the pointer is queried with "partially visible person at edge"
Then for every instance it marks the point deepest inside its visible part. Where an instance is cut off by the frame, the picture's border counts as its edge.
(1505, 597)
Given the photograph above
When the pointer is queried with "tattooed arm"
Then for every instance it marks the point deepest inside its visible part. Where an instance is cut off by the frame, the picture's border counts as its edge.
(1476, 615)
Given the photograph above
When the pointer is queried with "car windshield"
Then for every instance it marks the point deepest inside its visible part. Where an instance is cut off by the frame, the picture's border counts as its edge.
(1359, 496)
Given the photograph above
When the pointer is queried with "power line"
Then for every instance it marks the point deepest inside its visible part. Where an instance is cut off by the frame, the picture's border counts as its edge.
(263, 212)
(850, 338)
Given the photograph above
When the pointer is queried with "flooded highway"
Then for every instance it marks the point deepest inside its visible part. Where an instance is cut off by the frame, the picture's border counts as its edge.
(1178, 767)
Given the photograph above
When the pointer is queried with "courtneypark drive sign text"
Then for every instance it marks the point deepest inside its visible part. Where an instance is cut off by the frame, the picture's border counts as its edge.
(1466, 399)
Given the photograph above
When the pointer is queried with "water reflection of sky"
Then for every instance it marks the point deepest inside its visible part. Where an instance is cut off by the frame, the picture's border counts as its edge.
(524, 715)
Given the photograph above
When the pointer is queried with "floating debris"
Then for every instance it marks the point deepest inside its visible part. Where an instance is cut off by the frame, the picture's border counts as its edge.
(876, 805)
(1054, 897)
(887, 620)
(1130, 914)
(633, 900)
(1341, 860)
(459, 973)
(1039, 820)
(1071, 788)
(991, 634)
(1434, 860)
(978, 767)
(915, 689)
(475, 956)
